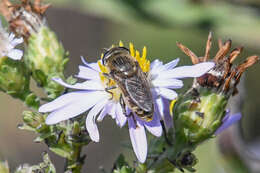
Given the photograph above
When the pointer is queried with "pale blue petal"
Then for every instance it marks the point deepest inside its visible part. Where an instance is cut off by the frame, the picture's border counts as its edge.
(90, 120)
(87, 85)
(138, 139)
(155, 64)
(15, 54)
(196, 70)
(76, 107)
(228, 121)
(172, 64)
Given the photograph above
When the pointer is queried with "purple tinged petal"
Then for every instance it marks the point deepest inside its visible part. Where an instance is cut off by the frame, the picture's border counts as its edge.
(228, 121)
(87, 85)
(90, 120)
(163, 109)
(138, 139)
(196, 70)
(168, 93)
(154, 127)
(120, 117)
(76, 107)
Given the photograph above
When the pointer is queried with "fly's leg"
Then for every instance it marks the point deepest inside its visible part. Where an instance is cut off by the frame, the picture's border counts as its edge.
(123, 105)
(108, 91)
(110, 87)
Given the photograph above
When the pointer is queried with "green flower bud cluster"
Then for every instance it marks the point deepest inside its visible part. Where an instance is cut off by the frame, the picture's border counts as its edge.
(45, 167)
(46, 58)
(65, 139)
(198, 114)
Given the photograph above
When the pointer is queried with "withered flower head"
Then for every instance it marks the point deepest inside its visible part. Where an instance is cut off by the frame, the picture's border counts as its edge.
(224, 77)
(25, 18)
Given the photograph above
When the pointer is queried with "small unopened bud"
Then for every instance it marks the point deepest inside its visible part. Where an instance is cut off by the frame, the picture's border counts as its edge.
(33, 121)
(46, 58)
(14, 79)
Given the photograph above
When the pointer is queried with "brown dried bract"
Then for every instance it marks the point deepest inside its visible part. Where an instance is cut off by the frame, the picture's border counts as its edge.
(23, 18)
(222, 77)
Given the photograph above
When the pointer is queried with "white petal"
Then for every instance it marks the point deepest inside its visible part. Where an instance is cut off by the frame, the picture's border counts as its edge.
(138, 139)
(16, 41)
(196, 70)
(93, 65)
(87, 73)
(112, 111)
(155, 64)
(167, 83)
(120, 117)
(90, 120)
(64, 100)
(87, 85)
(76, 107)
(105, 110)
(15, 54)
(168, 93)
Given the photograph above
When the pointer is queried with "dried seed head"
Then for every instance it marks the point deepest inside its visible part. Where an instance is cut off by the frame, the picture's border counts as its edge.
(223, 77)
(24, 18)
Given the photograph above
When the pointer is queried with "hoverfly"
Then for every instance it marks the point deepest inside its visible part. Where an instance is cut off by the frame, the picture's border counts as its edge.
(131, 80)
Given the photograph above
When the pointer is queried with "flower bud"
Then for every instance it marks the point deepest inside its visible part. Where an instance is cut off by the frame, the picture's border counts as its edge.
(200, 113)
(201, 110)
(44, 54)
(14, 79)
(33, 121)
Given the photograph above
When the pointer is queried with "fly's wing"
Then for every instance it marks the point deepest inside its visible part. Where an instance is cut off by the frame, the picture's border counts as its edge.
(139, 90)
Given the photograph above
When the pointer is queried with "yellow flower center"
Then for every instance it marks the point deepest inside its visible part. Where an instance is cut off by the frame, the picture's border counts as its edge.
(142, 61)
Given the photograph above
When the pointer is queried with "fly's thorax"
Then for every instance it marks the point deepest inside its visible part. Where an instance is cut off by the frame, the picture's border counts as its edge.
(120, 62)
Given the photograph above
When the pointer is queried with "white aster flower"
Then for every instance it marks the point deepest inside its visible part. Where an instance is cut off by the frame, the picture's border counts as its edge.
(91, 96)
(8, 42)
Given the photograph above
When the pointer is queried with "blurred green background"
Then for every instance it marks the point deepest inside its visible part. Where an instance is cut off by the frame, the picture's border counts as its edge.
(87, 26)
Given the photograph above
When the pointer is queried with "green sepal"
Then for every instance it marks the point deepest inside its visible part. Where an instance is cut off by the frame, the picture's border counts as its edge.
(62, 150)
